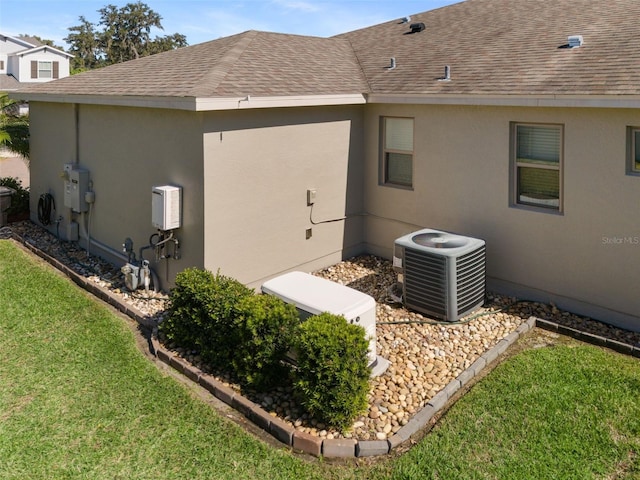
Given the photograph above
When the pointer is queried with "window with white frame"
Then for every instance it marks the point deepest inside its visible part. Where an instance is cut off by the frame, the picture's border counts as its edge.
(45, 69)
(633, 149)
(397, 151)
(537, 165)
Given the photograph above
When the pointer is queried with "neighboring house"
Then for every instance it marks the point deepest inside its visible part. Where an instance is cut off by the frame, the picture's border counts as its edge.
(488, 122)
(24, 60)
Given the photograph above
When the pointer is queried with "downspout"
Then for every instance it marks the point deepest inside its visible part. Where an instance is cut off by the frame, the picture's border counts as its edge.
(76, 114)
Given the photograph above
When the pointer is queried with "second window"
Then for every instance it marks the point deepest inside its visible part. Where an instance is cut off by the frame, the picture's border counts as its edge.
(537, 165)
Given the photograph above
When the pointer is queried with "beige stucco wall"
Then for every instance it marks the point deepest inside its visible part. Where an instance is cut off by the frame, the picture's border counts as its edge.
(244, 176)
(258, 166)
(587, 258)
(127, 151)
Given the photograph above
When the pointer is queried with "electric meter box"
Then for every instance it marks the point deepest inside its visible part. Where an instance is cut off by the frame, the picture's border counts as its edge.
(76, 184)
(165, 207)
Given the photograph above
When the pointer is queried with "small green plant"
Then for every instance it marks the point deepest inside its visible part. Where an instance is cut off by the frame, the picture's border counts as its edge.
(332, 379)
(202, 312)
(265, 327)
(20, 199)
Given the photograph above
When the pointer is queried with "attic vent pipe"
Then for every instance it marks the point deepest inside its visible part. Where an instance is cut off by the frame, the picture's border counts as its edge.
(447, 74)
(575, 41)
(406, 19)
(392, 65)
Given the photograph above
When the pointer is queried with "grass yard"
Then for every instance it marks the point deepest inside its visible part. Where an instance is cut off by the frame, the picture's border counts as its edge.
(79, 400)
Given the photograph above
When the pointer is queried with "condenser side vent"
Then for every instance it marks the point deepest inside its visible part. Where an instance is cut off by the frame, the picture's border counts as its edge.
(425, 282)
(470, 280)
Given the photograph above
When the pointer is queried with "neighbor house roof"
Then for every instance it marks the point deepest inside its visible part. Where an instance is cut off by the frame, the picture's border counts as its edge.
(8, 83)
(497, 51)
(34, 42)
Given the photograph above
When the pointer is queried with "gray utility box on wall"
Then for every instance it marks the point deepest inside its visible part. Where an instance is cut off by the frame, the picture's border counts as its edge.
(76, 184)
(442, 274)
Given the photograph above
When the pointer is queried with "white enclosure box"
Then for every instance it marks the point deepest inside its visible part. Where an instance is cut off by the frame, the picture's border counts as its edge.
(76, 184)
(165, 207)
(314, 295)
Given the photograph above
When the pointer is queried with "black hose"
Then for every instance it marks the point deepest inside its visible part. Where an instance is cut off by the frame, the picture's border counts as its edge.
(46, 205)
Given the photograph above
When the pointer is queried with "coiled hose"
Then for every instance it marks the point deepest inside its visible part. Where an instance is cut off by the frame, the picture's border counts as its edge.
(46, 205)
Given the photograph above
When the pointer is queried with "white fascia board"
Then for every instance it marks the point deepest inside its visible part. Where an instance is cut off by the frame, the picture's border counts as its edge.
(589, 101)
(19, 41)
(195, 104)
(249, 101)
(46, 49)
(178, 103)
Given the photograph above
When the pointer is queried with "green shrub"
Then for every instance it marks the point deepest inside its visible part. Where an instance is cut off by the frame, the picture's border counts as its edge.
(20, 199)
(202, 312)
(265, 329)
(332, 379)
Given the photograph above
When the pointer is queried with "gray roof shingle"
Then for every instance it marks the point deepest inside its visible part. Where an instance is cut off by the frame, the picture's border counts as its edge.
(493, 47)
(255, 63)
(507, 47)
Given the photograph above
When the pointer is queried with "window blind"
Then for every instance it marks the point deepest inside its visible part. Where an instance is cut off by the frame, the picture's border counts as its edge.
(399, 134)
(538, 143)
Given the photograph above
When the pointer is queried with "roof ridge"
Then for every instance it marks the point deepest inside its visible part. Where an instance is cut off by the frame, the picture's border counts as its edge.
(360, 67)
(212, 79)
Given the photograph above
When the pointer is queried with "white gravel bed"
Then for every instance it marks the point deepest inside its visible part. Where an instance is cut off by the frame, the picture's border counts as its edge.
(424, 355)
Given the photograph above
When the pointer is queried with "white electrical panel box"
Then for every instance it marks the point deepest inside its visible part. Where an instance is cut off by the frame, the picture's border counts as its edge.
(165, 207)
(76, 184)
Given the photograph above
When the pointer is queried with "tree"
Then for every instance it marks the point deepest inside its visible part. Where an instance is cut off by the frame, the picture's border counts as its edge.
(125, 34)
(168, 42)
(14, 128)
(84, 46)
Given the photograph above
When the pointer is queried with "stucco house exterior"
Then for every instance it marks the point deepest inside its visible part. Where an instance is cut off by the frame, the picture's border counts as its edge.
(513, 121)
(24, 60)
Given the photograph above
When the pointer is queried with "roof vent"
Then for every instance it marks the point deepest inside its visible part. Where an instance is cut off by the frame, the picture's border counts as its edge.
(447, 74)
(406, 19)
(392, 65)
(416, 27)
(575, 41)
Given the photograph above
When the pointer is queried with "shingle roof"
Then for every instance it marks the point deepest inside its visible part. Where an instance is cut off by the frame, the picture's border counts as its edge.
(498, 47)
(8, 82)
(250, 63)
(32, 40)
(493, 47)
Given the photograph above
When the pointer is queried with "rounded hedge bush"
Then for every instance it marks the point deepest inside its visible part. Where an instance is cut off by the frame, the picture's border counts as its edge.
(332, 378)
(265, 327)
(202, 312)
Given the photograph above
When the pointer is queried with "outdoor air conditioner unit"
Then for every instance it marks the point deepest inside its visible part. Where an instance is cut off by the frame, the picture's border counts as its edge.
(443, 274)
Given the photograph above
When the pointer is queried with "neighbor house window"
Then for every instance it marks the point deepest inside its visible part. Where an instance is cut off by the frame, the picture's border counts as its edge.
(633, 141)
(537, 165)
(397, 151)
(44, 69)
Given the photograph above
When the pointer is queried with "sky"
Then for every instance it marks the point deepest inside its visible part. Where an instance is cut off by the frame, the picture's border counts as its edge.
(204, 20)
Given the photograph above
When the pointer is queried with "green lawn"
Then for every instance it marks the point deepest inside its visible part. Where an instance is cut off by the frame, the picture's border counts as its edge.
(79, 400)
